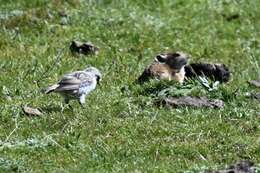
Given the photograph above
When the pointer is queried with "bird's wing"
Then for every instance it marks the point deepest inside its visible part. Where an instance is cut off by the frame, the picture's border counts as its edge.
(87, 85)
(74, 81)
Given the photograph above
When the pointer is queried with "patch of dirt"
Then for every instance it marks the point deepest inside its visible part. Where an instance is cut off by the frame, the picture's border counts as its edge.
(239, 167)
(193, 102)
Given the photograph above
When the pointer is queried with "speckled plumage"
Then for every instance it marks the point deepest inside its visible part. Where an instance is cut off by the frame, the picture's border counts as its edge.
(76, 85)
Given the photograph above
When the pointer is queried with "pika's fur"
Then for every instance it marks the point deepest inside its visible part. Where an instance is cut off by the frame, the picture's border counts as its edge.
(169, 66)
(173, 66)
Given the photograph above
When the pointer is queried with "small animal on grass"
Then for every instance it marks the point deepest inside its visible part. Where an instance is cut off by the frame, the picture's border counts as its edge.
(169, 66)
(173, 66)
(76, 85)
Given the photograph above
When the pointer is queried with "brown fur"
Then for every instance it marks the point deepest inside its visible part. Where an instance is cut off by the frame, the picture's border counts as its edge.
(173, 66)
(168, 66)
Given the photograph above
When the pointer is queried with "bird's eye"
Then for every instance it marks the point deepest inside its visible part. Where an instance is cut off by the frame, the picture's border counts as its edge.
(98, 78)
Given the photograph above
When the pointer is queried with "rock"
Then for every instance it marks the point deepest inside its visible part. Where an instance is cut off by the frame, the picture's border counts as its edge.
(255, 82)
(239, 167)
(256, 96)
(83, 48)
(193, 102)
(31, 111)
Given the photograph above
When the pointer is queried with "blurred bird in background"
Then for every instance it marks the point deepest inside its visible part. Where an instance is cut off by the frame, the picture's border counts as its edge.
(76, 85)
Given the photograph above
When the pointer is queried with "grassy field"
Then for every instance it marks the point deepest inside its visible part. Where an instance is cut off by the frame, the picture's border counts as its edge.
(120, 129)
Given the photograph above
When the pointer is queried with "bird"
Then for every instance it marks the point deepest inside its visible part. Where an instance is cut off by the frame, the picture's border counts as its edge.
(76, 85)
(170, 66)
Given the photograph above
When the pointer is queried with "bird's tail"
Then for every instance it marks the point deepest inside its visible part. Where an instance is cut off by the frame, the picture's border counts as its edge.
(51, 88)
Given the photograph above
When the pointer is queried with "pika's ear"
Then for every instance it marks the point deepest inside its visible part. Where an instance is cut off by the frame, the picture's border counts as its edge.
(161, 58)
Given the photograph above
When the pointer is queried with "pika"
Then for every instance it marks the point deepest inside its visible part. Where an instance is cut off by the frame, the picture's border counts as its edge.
(168, 66)
(174, 66)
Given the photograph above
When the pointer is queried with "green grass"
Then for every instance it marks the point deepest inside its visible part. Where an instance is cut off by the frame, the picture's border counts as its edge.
(124, 131)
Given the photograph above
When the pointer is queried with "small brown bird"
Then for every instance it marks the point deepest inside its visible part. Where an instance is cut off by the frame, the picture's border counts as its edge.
(168, 66)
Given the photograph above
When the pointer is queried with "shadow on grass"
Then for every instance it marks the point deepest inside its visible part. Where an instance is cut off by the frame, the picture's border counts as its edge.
(51, 109)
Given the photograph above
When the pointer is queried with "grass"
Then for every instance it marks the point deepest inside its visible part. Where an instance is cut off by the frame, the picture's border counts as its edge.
(122, 131)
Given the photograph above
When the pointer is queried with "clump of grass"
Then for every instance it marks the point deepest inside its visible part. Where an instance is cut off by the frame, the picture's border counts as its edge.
(192, 87)
(7, 165)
